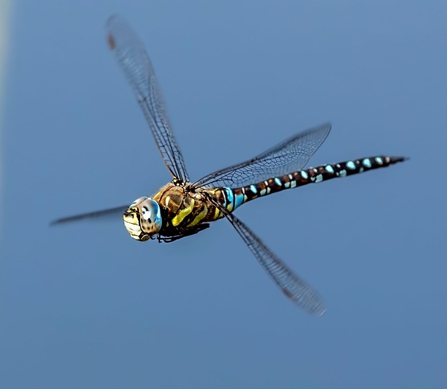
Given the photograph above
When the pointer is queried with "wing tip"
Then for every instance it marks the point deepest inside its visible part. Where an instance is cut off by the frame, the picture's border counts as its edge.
(320, 311)
(111, 23)
(111, 41)
(316, 308)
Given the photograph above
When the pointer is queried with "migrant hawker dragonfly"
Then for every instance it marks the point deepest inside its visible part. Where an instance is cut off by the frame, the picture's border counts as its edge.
(183, 208)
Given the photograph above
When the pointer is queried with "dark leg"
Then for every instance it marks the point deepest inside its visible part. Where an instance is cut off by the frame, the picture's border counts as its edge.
(190, 231)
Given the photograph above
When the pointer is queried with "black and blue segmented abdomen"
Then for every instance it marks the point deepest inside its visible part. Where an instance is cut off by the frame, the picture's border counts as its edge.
(238, 196)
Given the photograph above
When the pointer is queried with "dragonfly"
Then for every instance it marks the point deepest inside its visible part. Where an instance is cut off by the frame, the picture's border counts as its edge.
(183, 208)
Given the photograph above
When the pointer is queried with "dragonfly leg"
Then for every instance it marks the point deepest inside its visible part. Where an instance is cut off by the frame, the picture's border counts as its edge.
(190, 231)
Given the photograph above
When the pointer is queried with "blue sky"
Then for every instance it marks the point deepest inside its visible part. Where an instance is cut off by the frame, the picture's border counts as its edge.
(84, 305)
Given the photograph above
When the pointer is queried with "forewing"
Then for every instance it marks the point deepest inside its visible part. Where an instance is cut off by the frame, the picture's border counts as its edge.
(286, 157)
(137, 67)
(103, 214)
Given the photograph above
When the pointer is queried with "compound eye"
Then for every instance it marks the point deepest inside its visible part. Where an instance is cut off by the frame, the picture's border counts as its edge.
(137, 201)
(147, 213)
(150, 216)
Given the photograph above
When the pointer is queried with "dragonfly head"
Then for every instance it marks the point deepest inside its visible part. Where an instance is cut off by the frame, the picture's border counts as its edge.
(143, 218)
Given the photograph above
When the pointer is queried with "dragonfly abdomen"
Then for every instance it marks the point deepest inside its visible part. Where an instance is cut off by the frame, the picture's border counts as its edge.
(312, 176)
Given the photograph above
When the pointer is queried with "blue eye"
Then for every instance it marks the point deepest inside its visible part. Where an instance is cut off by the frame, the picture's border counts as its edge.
(147, 214)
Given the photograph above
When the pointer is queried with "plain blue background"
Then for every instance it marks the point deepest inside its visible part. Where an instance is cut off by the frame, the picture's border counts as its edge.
(85, 306)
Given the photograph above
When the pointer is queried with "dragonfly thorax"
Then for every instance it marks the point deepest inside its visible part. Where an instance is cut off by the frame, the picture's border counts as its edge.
(143, 219)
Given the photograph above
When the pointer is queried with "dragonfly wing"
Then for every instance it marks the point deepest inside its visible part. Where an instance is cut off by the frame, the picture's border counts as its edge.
(137, 67)
(111, 212)
(286, 157)
(294, 287)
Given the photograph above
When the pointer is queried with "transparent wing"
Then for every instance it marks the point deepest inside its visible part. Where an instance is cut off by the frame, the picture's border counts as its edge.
(286, 157)
(105, 213)
(137, 67)
(295, 288)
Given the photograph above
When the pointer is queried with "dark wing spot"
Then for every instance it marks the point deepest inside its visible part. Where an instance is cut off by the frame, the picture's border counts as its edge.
(288, 294)
(111, 42)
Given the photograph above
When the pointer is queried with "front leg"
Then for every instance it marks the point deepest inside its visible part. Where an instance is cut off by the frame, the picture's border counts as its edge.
(188, 232)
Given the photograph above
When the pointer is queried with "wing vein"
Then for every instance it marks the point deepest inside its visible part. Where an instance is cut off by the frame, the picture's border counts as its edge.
(134, 61)
(288, 156)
